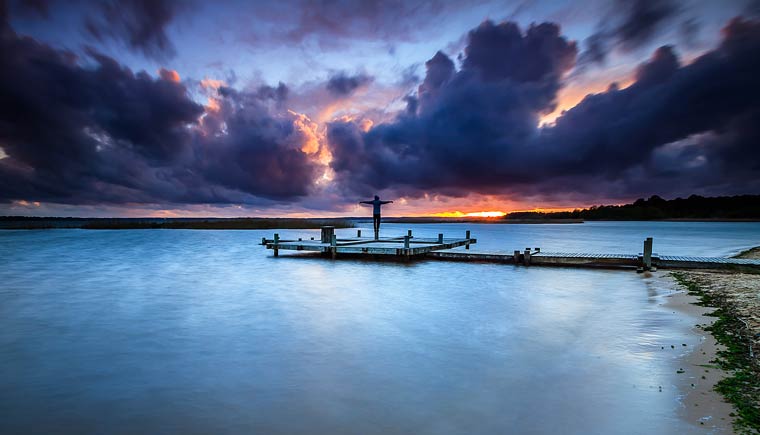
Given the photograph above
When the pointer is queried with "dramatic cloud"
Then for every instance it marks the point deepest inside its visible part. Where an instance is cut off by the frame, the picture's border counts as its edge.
(80, 128)
(468, 121)
(342, 84)
(84, 131)
(476, 129)
(630, 24)
(244, 148)
(140, 24)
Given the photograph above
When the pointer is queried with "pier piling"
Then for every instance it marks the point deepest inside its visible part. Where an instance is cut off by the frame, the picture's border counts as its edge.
(440, 237)
(327, 233)
(276, 244)
(647, 258)
(467, 236)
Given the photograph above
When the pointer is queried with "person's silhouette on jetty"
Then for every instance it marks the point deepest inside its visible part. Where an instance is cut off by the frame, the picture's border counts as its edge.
(376, 204)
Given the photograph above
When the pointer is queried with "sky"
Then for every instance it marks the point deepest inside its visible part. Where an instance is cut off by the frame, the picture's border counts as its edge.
(306, 107)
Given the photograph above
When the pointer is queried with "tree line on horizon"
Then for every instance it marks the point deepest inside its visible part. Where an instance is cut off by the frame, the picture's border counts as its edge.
(656, 208)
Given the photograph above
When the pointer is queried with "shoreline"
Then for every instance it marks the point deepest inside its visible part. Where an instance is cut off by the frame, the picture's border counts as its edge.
(695, 375)
(720, 379)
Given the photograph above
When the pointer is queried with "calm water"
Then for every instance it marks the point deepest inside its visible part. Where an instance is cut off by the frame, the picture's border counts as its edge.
(171, 331)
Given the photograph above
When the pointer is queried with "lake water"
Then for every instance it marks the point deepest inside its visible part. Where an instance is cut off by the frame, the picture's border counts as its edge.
(181, 331)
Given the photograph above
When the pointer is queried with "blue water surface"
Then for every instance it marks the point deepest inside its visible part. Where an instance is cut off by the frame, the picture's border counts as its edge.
(182, 331)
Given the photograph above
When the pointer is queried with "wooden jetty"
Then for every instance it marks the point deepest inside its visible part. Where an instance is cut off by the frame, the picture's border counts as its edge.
(408, 247)
(577, 259)
(404, 247)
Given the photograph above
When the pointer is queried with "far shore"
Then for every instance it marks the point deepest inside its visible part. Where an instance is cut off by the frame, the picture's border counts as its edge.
(259, 223)
(171, 223)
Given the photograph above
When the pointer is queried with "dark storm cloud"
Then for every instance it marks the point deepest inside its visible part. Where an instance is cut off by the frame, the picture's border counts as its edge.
(677, 126)
(467, 121)
(342, 84)
(279, 93)
(247, 149)
(84, 131)
(440, 69)
(629, 25)
(668, 102)
(140, 24)
(39, 8)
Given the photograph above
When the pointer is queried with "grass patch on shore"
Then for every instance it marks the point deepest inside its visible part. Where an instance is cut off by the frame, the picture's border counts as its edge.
(741, 387)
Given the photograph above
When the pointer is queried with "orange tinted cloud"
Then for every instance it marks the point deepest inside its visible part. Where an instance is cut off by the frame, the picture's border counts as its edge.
(25, 203)
(169, 75)
(212, 84)
(572, 94)
(209, 88)
(310, 130)
(212, 105)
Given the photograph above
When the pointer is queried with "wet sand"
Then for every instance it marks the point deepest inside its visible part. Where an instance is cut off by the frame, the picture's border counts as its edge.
(702, 406)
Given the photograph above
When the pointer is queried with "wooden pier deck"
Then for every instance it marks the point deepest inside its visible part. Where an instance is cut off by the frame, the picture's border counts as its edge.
(405, 246)
(579, 259)
(440, 248)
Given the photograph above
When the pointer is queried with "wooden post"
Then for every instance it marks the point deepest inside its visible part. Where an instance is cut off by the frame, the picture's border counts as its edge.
(327, 233)
(358, 233)
(440, 238)
(264, 241)
(406, 247)
(517, 257)
(334, 246)
(467, 236)
(409, 233)
(526, 256)
(276, 243)
(647, 253)
(406, 242)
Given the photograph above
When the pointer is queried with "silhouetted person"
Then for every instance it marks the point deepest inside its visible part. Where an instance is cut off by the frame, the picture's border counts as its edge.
(376, 204)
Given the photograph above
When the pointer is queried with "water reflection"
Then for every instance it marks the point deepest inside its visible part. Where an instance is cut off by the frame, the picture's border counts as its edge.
(205, 332)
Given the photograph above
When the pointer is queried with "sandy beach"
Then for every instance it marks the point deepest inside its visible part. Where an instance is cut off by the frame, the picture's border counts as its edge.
(735, 295)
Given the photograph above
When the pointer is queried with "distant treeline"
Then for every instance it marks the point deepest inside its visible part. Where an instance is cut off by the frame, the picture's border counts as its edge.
(21, 222)
(655, 208)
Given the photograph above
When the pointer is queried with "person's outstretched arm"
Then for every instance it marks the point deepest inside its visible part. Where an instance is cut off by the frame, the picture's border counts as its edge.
(365, 202)
(385, 202)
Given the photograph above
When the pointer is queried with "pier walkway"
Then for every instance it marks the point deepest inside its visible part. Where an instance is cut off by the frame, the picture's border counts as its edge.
(409, 247)
(405, 247)
(579, 259)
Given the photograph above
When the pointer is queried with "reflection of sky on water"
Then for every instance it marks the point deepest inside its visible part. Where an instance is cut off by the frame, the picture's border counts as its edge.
(203, 331)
